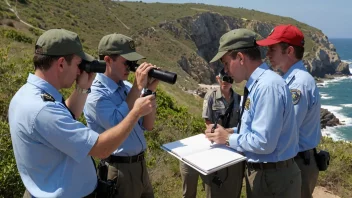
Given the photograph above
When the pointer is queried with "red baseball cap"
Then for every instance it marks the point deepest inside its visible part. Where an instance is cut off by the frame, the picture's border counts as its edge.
(284, 33)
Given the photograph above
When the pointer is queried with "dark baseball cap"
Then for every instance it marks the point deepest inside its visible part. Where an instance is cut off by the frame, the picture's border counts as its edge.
(284, 33)
(235, 40)
(61, 42)
(119, 44)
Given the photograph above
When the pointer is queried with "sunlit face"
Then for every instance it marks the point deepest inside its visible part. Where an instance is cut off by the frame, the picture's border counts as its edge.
(233, 68)
(276, 56)
(70, 72)
(119, 69)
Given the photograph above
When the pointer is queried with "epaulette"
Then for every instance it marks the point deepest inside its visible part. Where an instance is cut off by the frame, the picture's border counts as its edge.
(47, 97)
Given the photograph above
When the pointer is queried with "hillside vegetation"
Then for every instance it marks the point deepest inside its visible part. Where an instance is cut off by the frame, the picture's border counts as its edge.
(178, 113)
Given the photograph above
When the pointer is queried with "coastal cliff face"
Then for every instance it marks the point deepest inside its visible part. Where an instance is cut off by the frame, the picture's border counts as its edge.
(205, 30)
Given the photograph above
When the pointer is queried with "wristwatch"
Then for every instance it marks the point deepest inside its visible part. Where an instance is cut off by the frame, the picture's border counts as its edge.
(80, 90)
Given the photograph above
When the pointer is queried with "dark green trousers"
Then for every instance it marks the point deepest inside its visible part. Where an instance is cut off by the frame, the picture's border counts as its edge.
(274, 183)
(309, 175)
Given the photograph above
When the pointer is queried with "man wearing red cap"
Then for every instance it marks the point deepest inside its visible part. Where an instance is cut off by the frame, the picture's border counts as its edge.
(285, 52)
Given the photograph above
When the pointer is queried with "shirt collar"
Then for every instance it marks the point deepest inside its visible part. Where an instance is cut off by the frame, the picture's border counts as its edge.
(293, 70)
(108, 82)
(255, 75)
(44, 86)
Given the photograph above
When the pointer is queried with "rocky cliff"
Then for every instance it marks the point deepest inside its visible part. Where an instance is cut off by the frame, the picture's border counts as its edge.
(205, 30)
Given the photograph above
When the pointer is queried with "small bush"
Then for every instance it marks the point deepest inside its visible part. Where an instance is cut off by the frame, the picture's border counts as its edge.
(16, 36)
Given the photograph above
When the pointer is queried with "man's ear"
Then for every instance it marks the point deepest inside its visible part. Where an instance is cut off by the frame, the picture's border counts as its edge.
(60, 62)
(291, 51)
(107, 59)
(241, 57)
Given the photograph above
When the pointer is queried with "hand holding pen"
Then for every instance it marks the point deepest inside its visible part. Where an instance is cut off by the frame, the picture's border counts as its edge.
(217, 134)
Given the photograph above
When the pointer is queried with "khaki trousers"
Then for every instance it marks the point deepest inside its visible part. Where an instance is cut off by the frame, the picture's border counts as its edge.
(132, 180)
(309, 175)
(274, 183)
(232, 178)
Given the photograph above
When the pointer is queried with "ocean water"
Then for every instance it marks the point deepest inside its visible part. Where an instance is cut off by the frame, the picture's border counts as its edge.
(336, 95)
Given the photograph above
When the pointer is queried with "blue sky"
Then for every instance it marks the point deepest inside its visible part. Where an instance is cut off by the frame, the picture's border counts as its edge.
(333, 17)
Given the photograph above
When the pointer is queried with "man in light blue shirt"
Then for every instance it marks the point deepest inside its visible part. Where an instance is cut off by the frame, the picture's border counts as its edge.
(109, 103)
(267, 133)
(52, 149)
(285, 52)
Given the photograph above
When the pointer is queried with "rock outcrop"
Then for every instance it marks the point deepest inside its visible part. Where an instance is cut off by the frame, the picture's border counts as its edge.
(328, 119)
(205, 30)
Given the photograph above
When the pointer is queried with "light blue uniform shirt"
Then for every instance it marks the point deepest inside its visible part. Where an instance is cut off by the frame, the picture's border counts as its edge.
(307, 105)
(106, 107)
(268, 127)
(51, 148)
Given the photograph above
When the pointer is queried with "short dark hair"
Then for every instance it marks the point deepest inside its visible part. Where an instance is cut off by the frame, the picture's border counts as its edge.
(299, 51)
(112, 56)
(253, 53)
(43, 62)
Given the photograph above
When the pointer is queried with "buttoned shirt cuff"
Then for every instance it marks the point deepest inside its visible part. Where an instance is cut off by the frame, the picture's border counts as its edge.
(233, 140)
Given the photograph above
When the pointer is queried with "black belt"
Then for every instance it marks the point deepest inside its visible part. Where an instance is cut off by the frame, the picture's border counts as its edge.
(125, 159)
(270, 165)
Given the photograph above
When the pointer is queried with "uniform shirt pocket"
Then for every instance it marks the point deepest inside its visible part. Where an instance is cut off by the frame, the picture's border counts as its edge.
(218, 109)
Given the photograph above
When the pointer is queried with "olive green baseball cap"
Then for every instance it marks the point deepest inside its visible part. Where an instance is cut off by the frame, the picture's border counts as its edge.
(119, 44)
(234, 40)
(61, 42)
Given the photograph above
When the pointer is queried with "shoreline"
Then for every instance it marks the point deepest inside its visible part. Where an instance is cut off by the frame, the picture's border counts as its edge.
(330, 131)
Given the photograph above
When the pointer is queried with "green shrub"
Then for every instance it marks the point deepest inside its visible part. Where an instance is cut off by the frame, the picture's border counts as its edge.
(16, 36)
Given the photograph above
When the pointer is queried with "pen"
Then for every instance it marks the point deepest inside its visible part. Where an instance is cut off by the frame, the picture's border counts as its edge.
(214, 126)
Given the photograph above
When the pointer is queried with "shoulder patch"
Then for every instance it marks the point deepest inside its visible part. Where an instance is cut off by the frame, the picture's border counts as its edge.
(296, 95)
(47, 97)
(248, 102)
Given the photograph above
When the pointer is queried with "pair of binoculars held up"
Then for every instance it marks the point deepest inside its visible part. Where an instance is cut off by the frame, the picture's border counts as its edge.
(99, 66)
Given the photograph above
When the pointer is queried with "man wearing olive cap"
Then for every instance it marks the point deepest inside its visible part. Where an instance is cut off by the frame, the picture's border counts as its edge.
(111, 99)
(52, 149)
(267, 133)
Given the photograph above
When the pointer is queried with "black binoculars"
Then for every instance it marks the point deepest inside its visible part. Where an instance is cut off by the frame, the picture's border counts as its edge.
(99, 66)
(96, 66)
(159, 74)
(225, 77)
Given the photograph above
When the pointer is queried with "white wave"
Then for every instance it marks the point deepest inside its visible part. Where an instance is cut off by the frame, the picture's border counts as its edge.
(333, 132)
(326, 97)
(333, 81)
(349, 61)
(346, 105)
